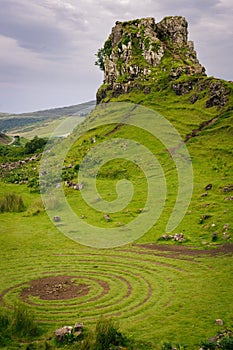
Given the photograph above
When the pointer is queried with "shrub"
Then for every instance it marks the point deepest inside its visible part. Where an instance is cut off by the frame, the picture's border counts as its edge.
(4, 326)
(214, 237)
(16, 325)
(23, 324)
(100, 58)
(169, 346)
(88, 342)
(107, 335)
(227, 343)
(35, 145)
(11, 203)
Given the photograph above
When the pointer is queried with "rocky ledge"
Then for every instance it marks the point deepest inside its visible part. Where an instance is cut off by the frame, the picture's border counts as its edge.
(143, 55)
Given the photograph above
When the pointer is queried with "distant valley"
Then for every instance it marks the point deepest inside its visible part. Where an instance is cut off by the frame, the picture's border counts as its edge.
(41, 123)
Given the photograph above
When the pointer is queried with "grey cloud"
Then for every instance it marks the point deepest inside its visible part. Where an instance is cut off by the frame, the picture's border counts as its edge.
(51, 56)
(36, 29)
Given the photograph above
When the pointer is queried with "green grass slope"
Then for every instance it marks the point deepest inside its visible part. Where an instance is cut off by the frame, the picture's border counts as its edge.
(160, 290)
(210, 148)
(156, 295)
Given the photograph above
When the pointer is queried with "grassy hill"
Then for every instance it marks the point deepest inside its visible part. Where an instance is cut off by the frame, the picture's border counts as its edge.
(136, 151)
(42, 123)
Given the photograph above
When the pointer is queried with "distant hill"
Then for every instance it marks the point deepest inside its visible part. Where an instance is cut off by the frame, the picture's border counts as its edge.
(82, 108)
(24, 124)
(4, 139)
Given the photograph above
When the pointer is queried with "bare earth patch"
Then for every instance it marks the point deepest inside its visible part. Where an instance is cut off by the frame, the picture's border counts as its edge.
(55, 288)
(175, 250)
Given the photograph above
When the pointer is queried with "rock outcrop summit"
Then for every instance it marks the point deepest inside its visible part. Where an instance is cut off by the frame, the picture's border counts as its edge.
(144, 55)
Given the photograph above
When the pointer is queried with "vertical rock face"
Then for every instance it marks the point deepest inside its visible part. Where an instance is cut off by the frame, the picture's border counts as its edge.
(174, 29)
(141, 53)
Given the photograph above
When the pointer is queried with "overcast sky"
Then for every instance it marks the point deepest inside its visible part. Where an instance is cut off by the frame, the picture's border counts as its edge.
(47, 47)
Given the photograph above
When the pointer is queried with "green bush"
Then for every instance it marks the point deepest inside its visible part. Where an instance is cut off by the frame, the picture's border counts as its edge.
(23, 324)
(5, 321)
(16, 325)
(107, 335)
(11, 203)
(37, 144)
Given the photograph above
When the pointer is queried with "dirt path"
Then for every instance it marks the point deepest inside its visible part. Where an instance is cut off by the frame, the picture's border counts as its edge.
(12, 141)
(190, 251)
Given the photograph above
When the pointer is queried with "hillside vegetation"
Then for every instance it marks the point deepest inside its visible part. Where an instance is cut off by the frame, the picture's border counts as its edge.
(164, 289)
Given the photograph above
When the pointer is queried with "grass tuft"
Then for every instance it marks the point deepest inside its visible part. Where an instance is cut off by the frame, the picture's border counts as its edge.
(11, 203)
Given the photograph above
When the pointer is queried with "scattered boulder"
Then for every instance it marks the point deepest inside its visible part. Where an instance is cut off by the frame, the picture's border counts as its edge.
(219, 322)
(147, 90)
(107, 217)
(208, 187)
(19, 164)
(204, 218)
(178, 237)
(223, 340)
(205, 194)
(75, 186)
(167, 237)
(228, 188)
(228, 198)
(62, 332)
(78, 186)
(78, 326)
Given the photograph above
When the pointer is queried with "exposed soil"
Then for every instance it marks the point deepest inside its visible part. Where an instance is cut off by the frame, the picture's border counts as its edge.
(55, 288)
(195, 132)
(184, 250)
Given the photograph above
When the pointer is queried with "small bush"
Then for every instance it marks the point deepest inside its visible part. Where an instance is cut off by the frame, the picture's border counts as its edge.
(5, 322)
(35, 145)
(88, 342)
(214, 237)
(16, 325)
(23, 324)
(169, 346)
(107, 335)
(11, 203)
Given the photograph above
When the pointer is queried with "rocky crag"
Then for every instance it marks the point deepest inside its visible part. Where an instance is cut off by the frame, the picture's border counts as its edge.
(148, 56)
